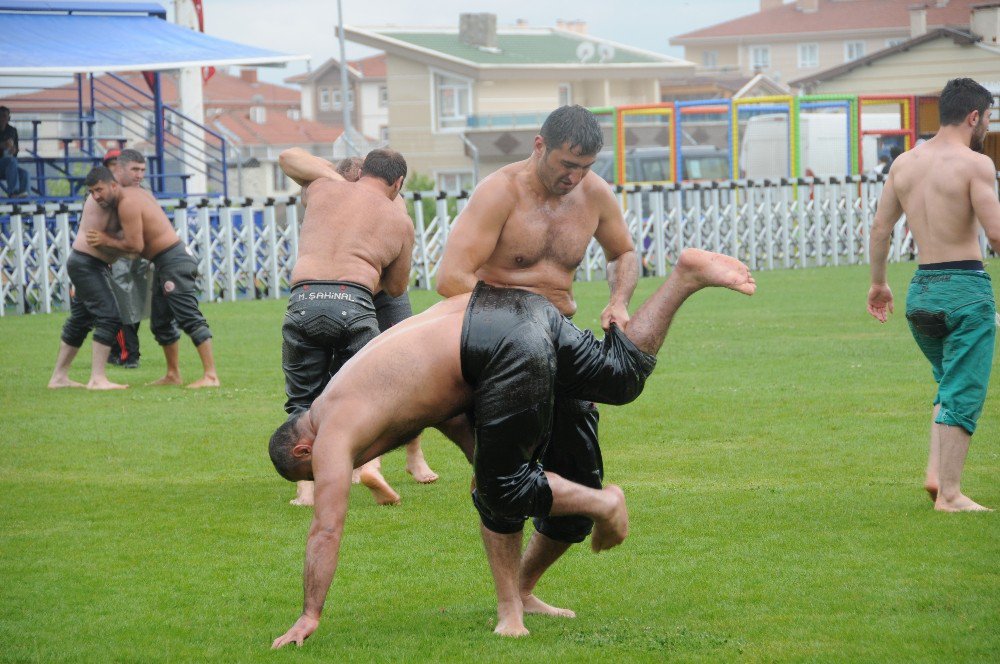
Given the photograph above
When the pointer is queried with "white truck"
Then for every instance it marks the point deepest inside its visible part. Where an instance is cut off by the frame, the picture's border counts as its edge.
(823, 142)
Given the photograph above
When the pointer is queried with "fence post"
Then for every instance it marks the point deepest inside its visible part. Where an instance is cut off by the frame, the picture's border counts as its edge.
(849, 201)
(62, 276)
(715, 218)
(734, 220)
(657, 198)
(270, 228)
(769, 221)
(250, 257)
(205, 244)
(226, 226)
(818, 222)
(424, 274)
(42, 249)
(21, 275)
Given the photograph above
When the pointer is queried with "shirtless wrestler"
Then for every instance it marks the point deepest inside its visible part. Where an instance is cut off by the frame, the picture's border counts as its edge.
(504, 354)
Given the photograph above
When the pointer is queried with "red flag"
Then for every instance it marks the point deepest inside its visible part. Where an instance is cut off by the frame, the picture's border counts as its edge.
(206, 72)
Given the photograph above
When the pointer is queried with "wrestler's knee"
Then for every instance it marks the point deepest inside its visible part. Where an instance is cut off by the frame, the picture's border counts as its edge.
(165, 333)
(496, 522)
(568, 529)
(74, 334)
(521, 494)
(105, 331)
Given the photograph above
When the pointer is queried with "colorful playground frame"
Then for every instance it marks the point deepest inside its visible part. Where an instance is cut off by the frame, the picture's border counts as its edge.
(667, 109)
(700, 107)
(907, 112)
(774, 103)
(853, 105)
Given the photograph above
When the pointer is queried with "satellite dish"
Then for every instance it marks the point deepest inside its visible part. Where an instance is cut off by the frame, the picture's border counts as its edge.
(585, 51)
(606, 52)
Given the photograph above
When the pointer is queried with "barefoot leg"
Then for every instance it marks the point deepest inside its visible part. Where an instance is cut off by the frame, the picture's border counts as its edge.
(171, 352)
(60, 375)
(954, 448)
(210, 378)
(931, 481)
(503, 551)
(540, 554)
(416, 465)
(303, 494)
(98, 374)
(382, 492)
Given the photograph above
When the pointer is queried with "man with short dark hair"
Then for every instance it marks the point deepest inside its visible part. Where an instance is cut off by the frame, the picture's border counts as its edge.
(129, 276)
(944, 186)
(146, 230)
(528, 226)
(354, 240)
(92, 305)
(16, 178)
(504, 354)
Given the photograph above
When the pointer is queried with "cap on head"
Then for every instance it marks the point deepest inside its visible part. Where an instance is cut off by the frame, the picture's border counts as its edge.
(111, 155)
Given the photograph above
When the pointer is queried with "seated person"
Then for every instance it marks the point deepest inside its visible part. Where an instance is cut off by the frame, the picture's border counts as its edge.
(15, 179)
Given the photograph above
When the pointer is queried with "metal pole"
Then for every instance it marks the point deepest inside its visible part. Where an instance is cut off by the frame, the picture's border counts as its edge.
(343, 81)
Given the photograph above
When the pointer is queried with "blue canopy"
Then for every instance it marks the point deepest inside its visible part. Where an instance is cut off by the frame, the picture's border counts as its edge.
(48, 43)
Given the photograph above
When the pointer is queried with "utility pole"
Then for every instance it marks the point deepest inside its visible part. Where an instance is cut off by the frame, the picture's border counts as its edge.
(344, 89)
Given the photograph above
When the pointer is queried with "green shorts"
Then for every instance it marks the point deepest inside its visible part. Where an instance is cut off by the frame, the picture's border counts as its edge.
(952, 315)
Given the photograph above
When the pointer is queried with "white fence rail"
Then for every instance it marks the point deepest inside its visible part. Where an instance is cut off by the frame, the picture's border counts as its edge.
(247, 249)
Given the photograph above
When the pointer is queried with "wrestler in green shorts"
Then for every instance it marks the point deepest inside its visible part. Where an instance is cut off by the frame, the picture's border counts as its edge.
(952, 315)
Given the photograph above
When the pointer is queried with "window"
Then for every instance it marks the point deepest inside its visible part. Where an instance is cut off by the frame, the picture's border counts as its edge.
(324, 99)
(336, 98)
(889, 43)
(383, 96)
(294, 114)
(279, 177)
(565, 94)
(383, 134)
(258, 114)
(808, 55)
(710, 58)
(760, 57)
(453, 97)
(853, 50)
(454, 181)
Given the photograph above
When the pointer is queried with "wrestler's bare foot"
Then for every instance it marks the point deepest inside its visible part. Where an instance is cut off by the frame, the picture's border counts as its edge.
(208, 380)
(932, 490)
(960, 503)
(613, 528)
(59, 383)
(303, 494)
(510, 620)
(169, 379)
(356, 476)
(701, 269)
(381, 491)
(536, 606)
(104, 384)
(417, 466)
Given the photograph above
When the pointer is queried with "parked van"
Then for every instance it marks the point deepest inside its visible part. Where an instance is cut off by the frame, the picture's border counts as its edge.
(652, 164)
(823, 142)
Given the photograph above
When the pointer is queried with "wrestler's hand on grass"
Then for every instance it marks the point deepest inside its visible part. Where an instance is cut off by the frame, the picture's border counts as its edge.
(299, 632)
(614, 313)
(880, 301)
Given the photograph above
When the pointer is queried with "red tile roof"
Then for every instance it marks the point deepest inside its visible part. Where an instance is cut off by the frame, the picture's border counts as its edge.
(221, 91)
(370, 67)
(277, 130)
(833, 16)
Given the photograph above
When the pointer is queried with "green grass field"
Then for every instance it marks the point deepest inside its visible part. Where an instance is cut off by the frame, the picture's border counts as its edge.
(773, 470)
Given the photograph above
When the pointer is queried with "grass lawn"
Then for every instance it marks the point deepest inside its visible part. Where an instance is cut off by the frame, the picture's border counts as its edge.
(773, 470)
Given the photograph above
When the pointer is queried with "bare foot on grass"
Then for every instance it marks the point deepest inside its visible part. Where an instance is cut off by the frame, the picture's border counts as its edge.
(416, 466)
(381, 490)
(703, 269)
(613, 529)
(104, 384)
(510, 620)
(303, 494)
(536, 606)
(961, 503)
(59, 383)
(932, 490)
(169, 379)
(204, 381)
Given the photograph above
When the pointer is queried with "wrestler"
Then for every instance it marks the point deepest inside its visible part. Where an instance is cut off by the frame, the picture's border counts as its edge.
(92, 305)
(528, 225)
(354, 239)
(943, 186)
(147, 231)
(504, 353)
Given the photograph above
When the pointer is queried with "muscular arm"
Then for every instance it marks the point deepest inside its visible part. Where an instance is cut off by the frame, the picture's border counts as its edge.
(623, 264)
(131, 242)
(474, 237)
(396, 276)
(886, 215)
(984, 201)
(304, 167)
(332, 473)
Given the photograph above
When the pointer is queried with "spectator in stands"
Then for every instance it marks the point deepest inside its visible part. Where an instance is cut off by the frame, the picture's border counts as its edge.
(882, 167)
(129, 276)
(894, 152)
(16, 178)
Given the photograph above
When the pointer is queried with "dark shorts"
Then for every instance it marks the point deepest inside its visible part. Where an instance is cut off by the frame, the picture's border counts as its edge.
(93, 305)
(391, 310)
(519, 353)
(952, 316)
(326, 324)
(174, 305)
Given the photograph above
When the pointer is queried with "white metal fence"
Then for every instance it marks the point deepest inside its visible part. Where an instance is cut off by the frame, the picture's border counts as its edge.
(247, 249)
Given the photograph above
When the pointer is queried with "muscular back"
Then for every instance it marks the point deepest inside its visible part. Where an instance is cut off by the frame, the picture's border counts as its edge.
(933, 183)
(350, 233)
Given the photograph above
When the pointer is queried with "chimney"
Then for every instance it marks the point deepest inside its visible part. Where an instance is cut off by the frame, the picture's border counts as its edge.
(918, 21)
(578, 26)
(770, 4)
(985, 23)
(560, 24)
(521, 23)
(248, 75)
(478, 29)
(807, 6)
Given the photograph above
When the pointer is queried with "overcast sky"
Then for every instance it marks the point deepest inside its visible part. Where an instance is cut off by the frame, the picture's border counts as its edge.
(307, 26)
